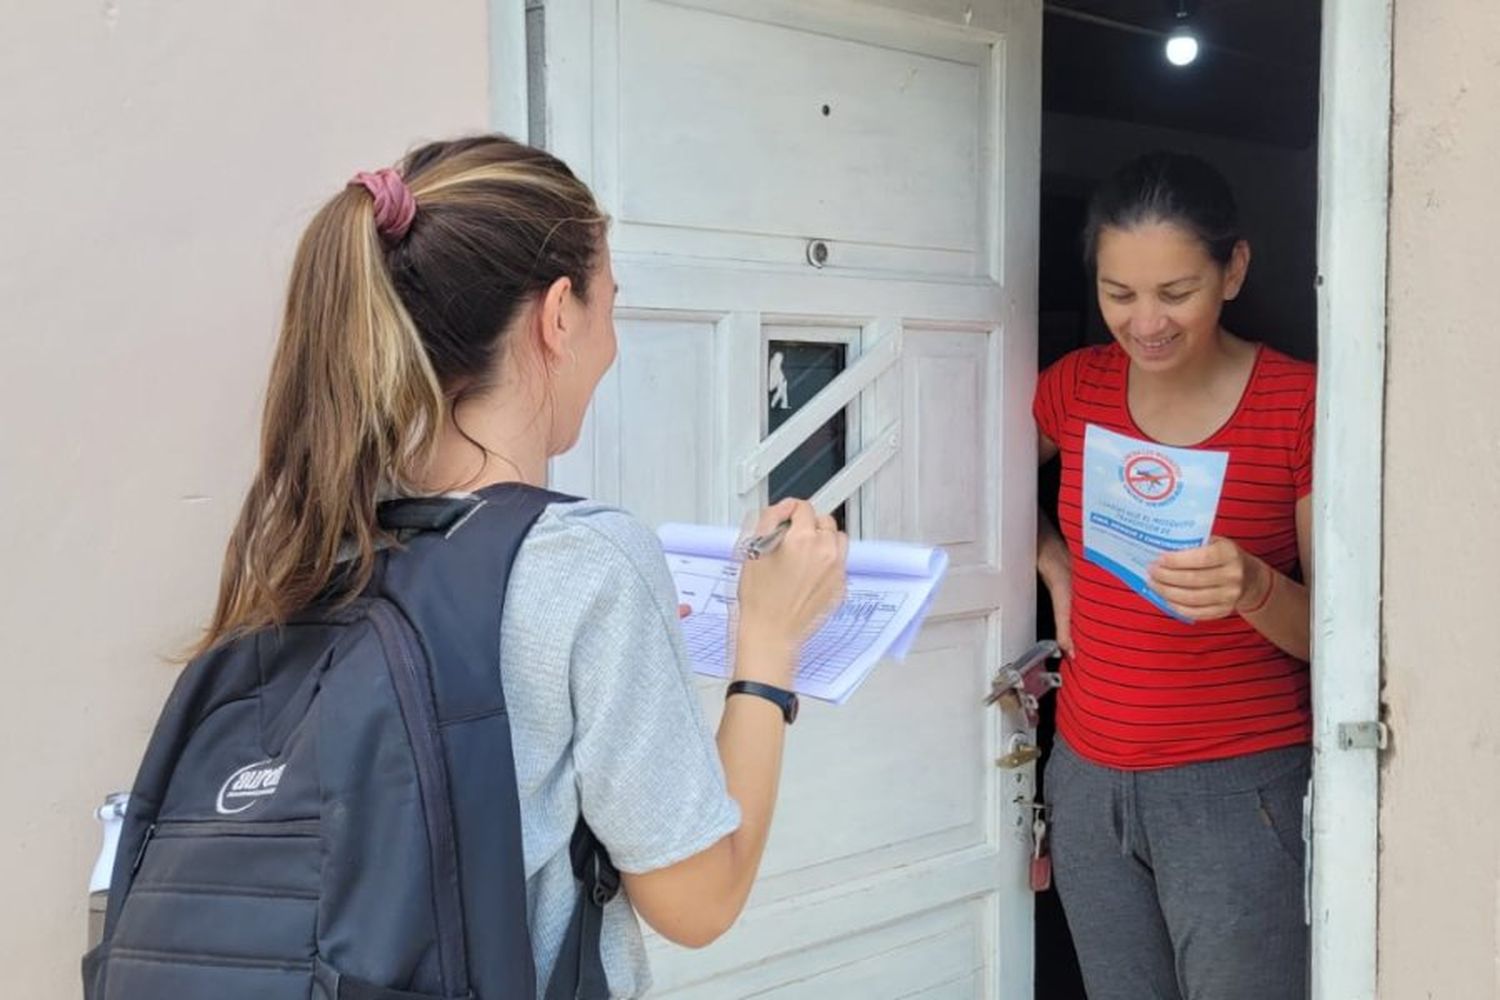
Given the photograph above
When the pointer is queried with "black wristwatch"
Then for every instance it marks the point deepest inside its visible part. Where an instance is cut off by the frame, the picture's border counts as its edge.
(781, 698)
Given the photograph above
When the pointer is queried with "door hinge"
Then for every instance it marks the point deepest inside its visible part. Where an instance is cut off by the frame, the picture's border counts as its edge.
(1363, 736)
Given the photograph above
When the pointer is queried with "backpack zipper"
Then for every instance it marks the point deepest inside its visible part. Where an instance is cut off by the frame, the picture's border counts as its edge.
(140, 853)
(219, 828)
(224, 828)
(414, 693)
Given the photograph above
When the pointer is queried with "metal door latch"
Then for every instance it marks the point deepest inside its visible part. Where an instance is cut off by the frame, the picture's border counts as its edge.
(1363, 736)
(1021, 683)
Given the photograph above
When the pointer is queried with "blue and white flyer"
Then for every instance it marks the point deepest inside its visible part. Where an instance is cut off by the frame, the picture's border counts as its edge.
(1142, 499)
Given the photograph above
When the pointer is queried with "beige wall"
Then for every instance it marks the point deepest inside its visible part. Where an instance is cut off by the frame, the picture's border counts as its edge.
(1440, 810)
(159, 159)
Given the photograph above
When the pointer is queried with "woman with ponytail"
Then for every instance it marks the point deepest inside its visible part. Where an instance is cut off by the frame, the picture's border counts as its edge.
(446, 325)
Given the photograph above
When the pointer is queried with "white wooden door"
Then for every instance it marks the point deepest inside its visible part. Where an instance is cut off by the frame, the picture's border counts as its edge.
(862, 175)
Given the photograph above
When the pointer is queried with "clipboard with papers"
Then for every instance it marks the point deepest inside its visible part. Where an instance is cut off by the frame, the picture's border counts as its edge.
(890, 589)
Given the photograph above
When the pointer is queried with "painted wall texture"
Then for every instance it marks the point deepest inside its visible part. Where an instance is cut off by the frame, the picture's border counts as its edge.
(161, 158)
(1440, 809)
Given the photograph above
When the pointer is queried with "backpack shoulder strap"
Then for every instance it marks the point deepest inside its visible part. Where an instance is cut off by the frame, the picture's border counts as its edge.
(450, 581)
(579, 971)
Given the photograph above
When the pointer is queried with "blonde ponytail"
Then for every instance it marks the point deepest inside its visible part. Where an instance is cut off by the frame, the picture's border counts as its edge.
(400, 293)
(352, 404)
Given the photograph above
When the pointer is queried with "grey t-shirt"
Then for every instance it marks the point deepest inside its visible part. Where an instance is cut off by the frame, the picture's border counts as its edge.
(604, 718)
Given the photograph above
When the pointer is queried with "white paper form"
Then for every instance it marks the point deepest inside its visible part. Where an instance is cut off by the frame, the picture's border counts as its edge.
(890, 588)
(1142, 499)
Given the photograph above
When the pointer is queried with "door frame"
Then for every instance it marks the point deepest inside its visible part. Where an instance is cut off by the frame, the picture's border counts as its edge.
(510, 88)
(1353, 211)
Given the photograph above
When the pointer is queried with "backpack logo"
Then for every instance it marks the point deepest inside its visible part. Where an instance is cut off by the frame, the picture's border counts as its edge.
(248, 786)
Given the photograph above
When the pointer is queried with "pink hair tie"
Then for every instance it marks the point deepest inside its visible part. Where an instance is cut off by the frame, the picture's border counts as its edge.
(394, 205)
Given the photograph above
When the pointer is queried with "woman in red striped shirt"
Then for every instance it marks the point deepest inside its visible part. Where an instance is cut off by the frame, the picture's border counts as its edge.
(1182, 757)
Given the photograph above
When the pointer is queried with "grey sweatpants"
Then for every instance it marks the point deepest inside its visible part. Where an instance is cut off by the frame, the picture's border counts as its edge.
(1183, 883)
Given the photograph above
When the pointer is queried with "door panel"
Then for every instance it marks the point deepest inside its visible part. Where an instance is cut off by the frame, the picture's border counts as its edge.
(896, 867)
(859, 118)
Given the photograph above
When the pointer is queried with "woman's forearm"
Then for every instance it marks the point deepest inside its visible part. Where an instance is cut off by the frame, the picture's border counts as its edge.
(1282, 612)
(751, 737)
(1051, 548)
(696, 900)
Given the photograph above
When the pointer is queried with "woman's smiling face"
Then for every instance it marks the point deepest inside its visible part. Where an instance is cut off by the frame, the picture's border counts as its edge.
(1162, 293)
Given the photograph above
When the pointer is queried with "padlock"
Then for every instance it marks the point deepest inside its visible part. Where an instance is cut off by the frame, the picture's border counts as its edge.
(1021, 751)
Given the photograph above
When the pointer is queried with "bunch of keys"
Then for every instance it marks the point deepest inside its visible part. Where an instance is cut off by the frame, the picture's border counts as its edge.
(1021, 683)
(1041, 853)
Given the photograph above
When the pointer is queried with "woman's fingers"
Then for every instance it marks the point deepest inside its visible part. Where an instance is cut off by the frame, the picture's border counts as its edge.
(803, 516)
(1217, 553)
(1193, 579)
(794, 586)
(1062, 619)
(771, 517)
(1198, 597)
(1198, 605)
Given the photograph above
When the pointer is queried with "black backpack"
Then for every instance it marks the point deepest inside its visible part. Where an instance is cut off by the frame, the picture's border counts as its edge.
(328, 810)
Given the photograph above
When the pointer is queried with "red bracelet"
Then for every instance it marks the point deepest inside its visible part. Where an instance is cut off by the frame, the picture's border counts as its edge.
(1264, 598)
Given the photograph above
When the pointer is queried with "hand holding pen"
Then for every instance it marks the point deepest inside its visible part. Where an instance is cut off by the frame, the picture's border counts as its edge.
(792, 577)
(763, 545)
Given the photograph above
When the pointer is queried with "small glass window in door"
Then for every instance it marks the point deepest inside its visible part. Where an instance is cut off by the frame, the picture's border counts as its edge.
(796, 372)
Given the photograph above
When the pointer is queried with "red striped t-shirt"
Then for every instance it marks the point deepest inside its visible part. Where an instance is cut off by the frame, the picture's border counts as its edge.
(1143, 689)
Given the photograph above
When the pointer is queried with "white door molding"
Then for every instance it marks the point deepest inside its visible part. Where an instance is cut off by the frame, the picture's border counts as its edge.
(1354, 178)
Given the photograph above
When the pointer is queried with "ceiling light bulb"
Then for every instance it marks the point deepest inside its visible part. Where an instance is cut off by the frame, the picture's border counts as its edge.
(1182, 48)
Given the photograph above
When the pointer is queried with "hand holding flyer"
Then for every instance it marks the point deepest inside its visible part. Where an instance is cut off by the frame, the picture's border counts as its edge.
(1142, 499)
